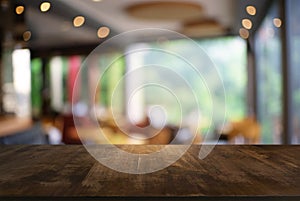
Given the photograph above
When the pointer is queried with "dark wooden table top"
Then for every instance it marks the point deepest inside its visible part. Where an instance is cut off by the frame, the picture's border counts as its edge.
(69, 171)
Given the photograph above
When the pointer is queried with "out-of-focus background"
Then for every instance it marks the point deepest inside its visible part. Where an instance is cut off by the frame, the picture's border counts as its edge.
(254, 45)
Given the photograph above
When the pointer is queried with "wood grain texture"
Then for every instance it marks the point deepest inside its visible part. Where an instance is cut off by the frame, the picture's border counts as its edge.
(69, 171)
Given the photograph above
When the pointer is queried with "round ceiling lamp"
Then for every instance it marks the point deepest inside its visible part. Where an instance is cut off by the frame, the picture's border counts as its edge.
(166, 10)
(202, 28)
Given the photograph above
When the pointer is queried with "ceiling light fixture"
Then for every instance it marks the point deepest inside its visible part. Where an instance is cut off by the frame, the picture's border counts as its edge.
(244, 33)
(251, 10)
(247, 24)
(20, 10)
(202, 28)
(277, 22)
(26, 36)
(45, 6)
(78, 21)
(103, 32)
(166, 10)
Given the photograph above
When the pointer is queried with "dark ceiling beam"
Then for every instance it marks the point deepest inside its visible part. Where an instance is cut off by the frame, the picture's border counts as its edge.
(66, 13)
(261, 7)
(63, 51)
(58, 8)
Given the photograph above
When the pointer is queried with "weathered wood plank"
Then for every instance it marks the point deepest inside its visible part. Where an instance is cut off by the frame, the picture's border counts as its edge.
(69, 171)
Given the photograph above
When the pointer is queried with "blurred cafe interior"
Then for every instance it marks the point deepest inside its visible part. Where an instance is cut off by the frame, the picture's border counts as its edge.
(149, 72)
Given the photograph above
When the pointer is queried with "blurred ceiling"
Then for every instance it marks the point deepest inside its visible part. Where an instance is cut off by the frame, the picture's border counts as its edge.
(195, 18)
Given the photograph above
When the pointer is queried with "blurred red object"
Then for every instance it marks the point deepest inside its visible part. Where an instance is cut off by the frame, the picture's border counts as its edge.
(70, 135)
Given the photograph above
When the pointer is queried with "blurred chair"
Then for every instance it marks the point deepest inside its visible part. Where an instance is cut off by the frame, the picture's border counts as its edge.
(248, 128)
(70, 135)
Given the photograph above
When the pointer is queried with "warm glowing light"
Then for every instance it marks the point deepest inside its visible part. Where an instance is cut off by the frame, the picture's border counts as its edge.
(97, 0)
(45, 6)
(26, 36)
(251, 10)
(244, 33)
(247, 24)
(20, 10)
(103, 32)
(78, 21)
(277, 22)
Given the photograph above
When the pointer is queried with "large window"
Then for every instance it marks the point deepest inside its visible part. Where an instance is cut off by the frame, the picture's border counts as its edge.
(140, 84)
(269, 77)
(294, 43)
(230, 64)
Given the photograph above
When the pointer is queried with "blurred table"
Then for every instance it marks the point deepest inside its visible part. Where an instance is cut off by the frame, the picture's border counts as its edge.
(228, 173)
(95, 135)
(12, 125)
